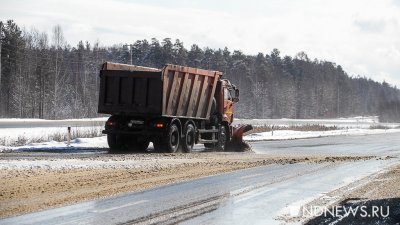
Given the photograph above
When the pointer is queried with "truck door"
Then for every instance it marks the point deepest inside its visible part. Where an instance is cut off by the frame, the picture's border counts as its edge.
(228, 106)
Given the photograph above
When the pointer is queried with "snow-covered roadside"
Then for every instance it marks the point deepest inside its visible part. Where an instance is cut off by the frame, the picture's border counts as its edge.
(17, 132)
(327, 190)
(42, 134)
(358, 122)
(336, 186)
(101, 142)
(290, 134)
(31, 123)
(22, 136)
(78, 143)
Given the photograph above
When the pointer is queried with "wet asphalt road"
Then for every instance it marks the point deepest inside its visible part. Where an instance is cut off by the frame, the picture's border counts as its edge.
(357, 145)
(251, 196)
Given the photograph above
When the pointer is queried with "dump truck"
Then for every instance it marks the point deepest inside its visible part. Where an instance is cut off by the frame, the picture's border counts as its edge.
(174, 107)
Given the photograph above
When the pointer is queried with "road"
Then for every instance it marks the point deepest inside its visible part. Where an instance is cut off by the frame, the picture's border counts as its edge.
(379, 145)
(259, 195)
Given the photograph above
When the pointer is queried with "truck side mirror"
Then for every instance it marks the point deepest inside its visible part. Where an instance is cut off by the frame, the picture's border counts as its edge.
(236, 97)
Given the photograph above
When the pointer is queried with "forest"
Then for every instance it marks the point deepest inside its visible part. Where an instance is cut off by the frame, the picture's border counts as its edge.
(43, 76)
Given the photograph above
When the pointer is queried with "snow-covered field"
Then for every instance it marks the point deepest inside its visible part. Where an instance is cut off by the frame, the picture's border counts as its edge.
(341, 123)
(19, 134)
(16, 132)
(34, 123)
(28, 135)
(78, 143)
(291, 134)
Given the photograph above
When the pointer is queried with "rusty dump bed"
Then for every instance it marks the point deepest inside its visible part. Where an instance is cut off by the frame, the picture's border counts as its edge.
(174, 91)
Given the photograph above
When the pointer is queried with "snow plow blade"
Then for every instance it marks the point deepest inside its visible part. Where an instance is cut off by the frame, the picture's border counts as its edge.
(237, 144)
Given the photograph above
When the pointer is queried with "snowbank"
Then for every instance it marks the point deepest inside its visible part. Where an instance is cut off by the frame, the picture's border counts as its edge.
(35, 123)
(78, 143)
(15, 132)
(290, 134)
(343, 123)
(22, 136)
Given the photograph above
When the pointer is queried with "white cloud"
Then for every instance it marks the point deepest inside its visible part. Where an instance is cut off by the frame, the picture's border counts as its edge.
(360, 35)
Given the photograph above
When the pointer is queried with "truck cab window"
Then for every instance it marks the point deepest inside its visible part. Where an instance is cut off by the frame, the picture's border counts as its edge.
(227, 94)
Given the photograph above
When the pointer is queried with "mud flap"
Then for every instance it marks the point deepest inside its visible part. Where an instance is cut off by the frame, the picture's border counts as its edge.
(237, 144)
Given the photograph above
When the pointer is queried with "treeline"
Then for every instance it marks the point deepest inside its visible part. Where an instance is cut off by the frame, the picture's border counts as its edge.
(43, 76)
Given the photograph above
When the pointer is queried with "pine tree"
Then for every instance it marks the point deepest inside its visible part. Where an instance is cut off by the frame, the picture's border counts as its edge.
(60, 81)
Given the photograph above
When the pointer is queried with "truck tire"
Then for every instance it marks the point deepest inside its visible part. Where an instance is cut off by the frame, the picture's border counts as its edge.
(222, 138)
(114, 143)
(173, 138)
(169, 143)
(189, 139)
(124, 143)
(138, 146)
(209, 145)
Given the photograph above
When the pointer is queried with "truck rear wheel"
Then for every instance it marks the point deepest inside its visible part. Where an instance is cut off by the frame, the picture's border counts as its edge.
(124, 143)
(188, 140)
(138, 146)
(169, 143)
(114, 142)
(173, 138)
(209, 145)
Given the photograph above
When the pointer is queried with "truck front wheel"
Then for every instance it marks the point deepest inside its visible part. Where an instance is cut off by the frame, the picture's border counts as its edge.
(222, 138)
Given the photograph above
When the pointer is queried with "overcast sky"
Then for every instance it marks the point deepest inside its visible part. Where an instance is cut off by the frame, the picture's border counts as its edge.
(361, 35)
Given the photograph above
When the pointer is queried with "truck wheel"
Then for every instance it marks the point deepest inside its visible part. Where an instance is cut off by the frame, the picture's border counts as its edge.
(222, 138)
(114, 143)
(173, 139)
(139, 146)
(188, 140)
(169, 143)
(160, 146)
(209, 145)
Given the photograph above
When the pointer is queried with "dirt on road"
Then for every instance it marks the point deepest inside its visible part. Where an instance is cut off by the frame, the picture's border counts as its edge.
(30, 183)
